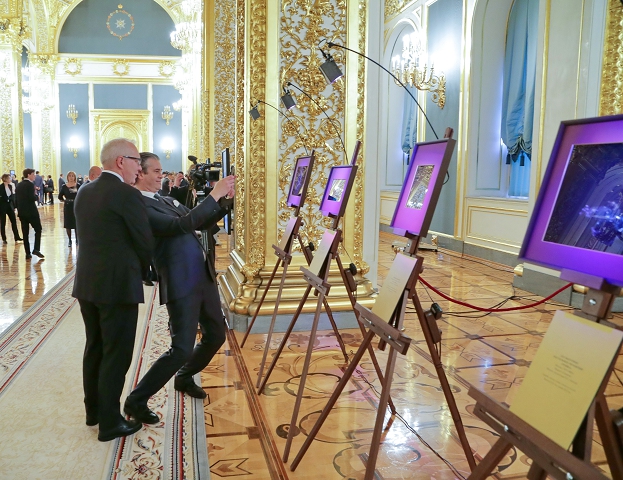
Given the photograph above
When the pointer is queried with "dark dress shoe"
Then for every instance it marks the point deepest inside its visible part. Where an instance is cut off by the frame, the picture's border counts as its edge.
(189, 388)
(19, 239)
(38, 253)
(91, 420)
(140, 413)
(122, 429)
(28, 256)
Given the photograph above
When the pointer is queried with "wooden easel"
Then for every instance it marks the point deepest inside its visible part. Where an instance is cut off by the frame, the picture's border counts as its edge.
(285, 256)
(548, 457)
(390, 334)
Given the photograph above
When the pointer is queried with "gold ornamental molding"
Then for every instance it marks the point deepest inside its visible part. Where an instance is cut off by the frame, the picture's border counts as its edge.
(166, 68)
(612, 70)
(120, 67)
(117, 123)
(241, 118)
(73, 66)
(46, 63)
(396, 7)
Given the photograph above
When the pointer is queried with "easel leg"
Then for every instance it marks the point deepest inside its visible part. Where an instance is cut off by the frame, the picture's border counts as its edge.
(284, 340)
(270, 280)
(536, 473)
(608, 437)
(491, 460)
(333, 399)
(380, 416)
(445, 386)
(272, 324)
(303, 378)
(373, 358)
(335, 330)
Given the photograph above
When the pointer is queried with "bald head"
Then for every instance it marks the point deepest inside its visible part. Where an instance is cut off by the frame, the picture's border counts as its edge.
(94, 172)
(121, 156)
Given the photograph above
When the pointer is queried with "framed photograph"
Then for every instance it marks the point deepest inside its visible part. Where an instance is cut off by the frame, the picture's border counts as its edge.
(337, 190)
(422, 185)
(300, 181)
(577, 222)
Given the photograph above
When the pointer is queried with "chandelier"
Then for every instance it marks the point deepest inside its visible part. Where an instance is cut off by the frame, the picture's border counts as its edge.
(187, 37)
(412, 70)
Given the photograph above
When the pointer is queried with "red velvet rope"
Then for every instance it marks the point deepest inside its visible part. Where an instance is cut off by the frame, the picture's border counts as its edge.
(481, 309)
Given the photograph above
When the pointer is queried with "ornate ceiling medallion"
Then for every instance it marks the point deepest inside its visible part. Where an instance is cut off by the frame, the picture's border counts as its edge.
(120, 23)
(120, 67)
(73, 66)
(166, 68)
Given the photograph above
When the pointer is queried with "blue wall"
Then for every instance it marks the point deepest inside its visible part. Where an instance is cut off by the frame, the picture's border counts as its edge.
(444, 45)
(166, 95)
(85, 29)
(120, 95)
(27, 144)
(77, 94)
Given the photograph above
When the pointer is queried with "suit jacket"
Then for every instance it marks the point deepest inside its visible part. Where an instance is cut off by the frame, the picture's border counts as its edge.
(6, 201)
(50, 183)
(61, 182)
(179, 255)
(39, 182)
(25, 198)
(116, 243)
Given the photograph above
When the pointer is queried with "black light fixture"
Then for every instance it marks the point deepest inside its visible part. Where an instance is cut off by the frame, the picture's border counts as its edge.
(254, 112)
(287, 99)
(329, 68)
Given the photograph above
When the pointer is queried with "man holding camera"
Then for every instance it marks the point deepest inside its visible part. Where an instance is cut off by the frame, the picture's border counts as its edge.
(187, 279)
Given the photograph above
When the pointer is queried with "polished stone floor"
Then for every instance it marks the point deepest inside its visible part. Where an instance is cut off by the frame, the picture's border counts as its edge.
(246, 432)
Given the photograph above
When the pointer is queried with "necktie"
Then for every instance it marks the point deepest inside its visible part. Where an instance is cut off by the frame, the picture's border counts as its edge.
(157, 197)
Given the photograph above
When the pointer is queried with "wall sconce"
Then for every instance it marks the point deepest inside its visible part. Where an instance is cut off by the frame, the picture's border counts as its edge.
(287, 99)
(167, 146)
(167, 114)
(72, 112)
(177, 106)
(74, 145)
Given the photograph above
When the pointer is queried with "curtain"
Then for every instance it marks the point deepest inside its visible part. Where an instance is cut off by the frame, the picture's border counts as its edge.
(409, 122)
(518, 92)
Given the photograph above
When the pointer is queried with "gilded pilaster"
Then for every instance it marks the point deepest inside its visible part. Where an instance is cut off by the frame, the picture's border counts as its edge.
(612, 72)
(10, 96)
(239, 158)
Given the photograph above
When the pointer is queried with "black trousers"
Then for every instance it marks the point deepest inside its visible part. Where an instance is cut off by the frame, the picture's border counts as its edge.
(110, 331)
(7, 209)
(36, 225)
(202, 305)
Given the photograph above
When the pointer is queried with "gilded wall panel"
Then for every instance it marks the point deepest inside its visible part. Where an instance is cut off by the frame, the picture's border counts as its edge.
(304, 25)
(395, 7)
(224, 76)
(239, 155)
(612, 73)
(255, 201)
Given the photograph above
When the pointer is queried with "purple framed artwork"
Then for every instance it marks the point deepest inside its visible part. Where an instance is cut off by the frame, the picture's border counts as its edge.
(337, 191)
(420, 190)
(300, 180)
(577, 222)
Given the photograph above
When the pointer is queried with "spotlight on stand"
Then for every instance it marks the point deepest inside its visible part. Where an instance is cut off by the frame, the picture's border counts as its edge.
(331, 44)
(329, 68)
(287, 99)
(255, 114)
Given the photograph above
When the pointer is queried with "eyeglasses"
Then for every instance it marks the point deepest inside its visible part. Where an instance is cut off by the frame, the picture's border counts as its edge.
(132, 158)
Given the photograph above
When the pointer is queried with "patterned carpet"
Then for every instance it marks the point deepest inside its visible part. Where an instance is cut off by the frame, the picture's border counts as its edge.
(42, 430)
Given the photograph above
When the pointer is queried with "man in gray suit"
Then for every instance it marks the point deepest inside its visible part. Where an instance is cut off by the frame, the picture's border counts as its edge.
(38, 181)
(187, 281)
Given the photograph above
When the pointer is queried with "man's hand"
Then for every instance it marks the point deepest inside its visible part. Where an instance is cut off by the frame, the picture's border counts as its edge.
(178, 179)
(224, 187)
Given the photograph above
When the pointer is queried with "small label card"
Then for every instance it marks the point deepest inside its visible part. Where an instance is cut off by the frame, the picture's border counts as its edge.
(288, 233)
(394, 286)
(564, 376)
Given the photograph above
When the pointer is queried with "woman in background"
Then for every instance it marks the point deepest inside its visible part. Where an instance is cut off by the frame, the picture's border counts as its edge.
(67, 195)
(7, 207)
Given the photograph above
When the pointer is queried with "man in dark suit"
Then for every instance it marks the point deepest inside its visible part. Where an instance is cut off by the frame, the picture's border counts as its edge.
(61, 182)
(39, 185)
(116, 246)
(49, 190)
(25, 198)
(187, 285)
(7, 202)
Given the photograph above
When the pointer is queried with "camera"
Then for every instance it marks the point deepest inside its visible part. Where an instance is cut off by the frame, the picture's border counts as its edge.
(202, 173)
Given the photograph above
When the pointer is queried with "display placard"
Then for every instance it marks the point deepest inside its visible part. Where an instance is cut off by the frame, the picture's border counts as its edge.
(300, 181)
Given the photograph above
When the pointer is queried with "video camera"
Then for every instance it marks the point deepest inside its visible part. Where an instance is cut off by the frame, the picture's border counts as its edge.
(201, 173)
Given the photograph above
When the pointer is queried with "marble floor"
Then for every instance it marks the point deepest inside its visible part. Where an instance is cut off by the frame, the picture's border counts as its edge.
(246, 432)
